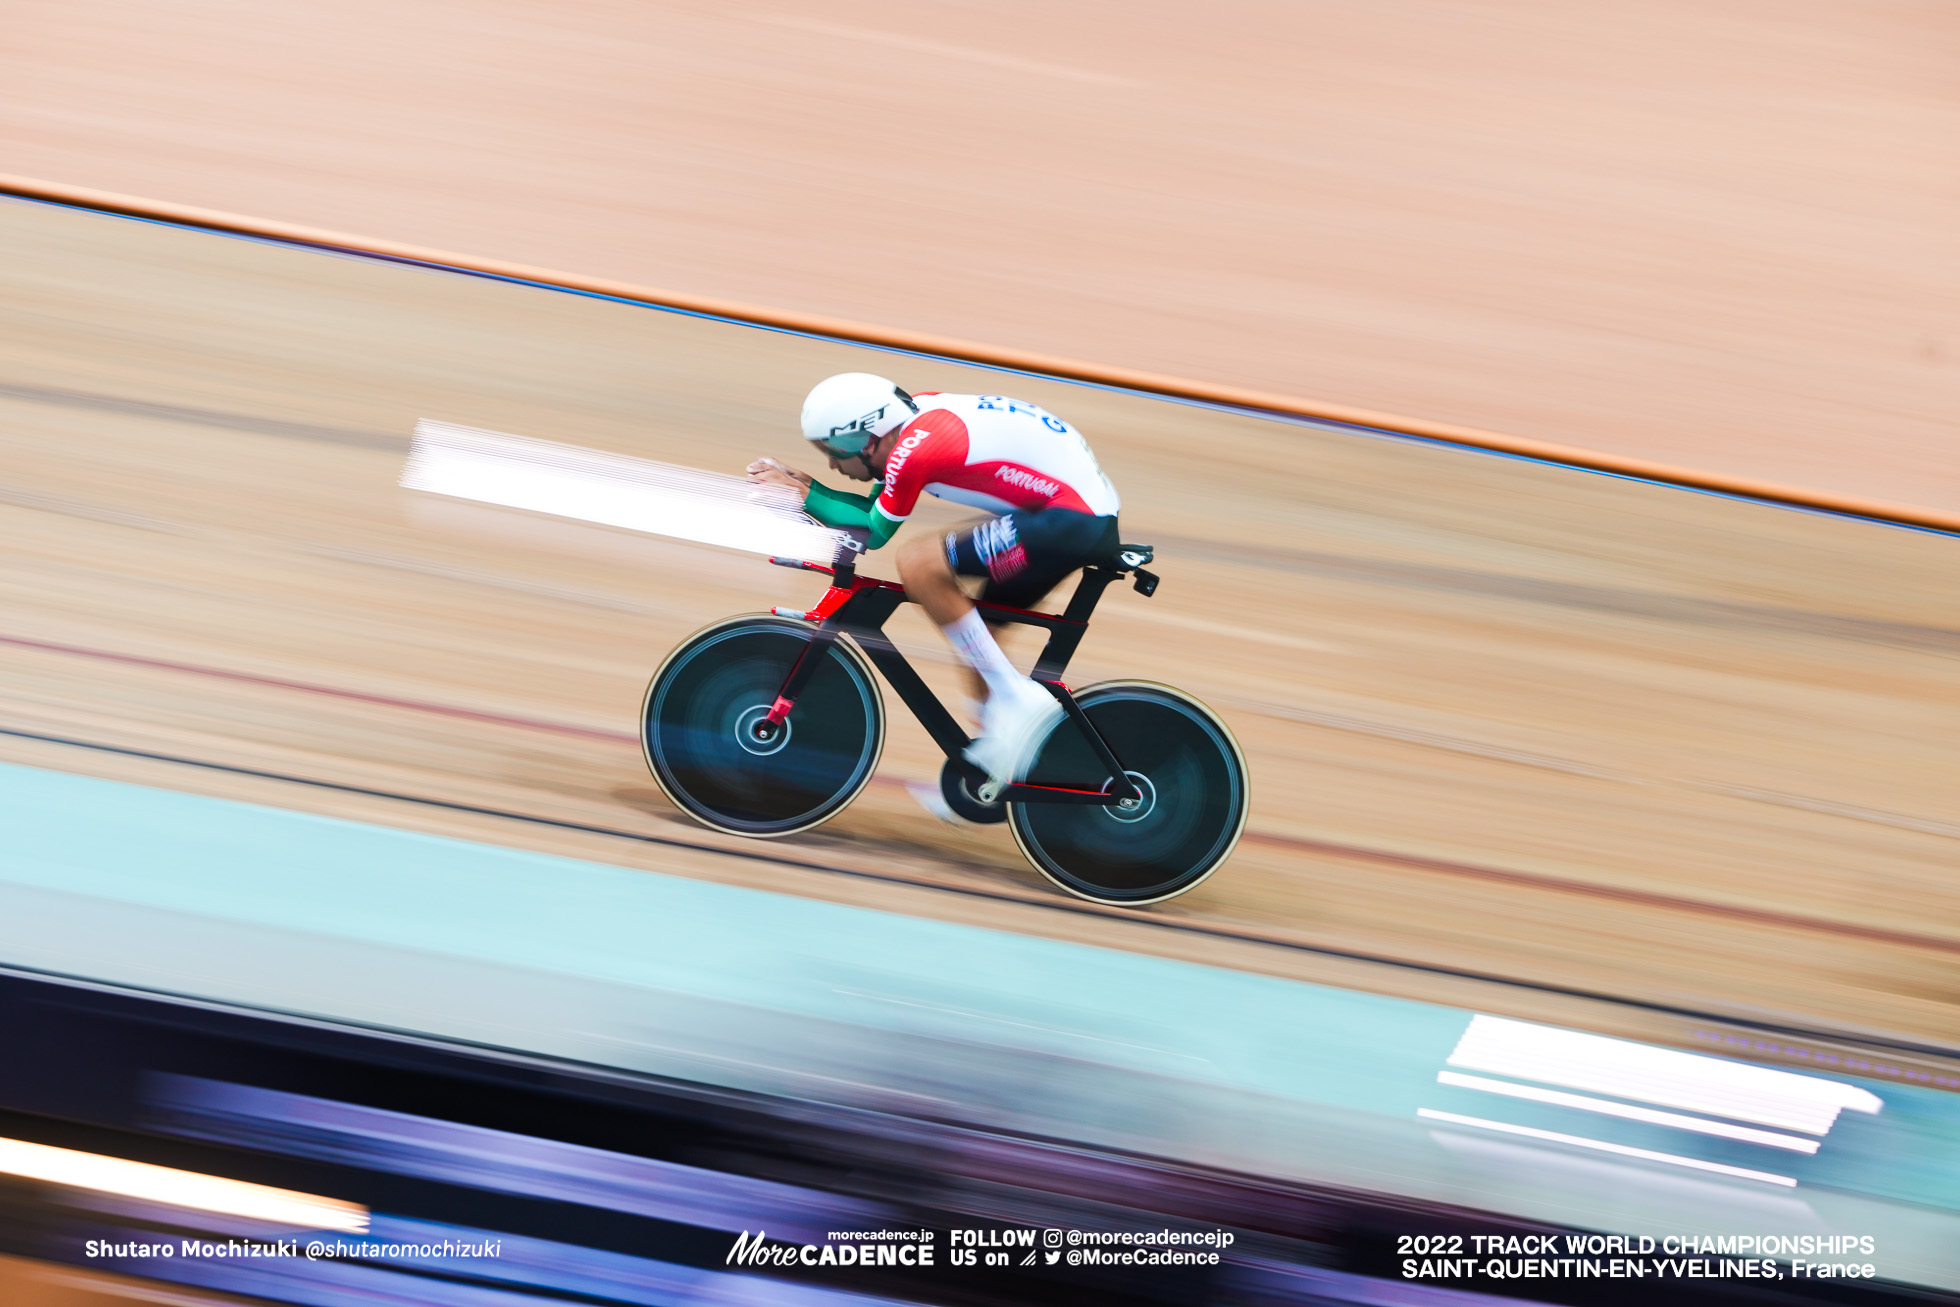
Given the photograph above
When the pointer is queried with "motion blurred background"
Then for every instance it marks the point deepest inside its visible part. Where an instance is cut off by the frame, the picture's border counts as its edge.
(1718, 234)
(1524, 740)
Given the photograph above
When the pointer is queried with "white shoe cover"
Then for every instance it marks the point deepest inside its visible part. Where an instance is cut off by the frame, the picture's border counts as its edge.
(1012, 728)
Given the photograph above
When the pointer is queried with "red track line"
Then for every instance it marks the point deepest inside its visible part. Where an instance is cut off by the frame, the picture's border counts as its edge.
(1049, 903)
(1532, 880)
(1645, 898)
(533, 723)
(417, 705)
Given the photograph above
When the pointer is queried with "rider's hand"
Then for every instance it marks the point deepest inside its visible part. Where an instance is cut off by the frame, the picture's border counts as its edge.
(768, 472)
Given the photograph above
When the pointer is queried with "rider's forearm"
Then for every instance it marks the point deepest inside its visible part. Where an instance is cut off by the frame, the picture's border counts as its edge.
(882, 530)
(835, 508)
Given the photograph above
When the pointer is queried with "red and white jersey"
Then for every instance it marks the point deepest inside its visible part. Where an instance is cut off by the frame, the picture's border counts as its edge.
(993, 453)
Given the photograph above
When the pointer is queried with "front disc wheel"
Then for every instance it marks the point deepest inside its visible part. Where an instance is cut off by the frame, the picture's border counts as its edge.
(1188, 813)
(713, 751)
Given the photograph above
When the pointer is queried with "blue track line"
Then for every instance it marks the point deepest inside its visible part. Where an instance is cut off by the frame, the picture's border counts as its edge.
(1217, 406)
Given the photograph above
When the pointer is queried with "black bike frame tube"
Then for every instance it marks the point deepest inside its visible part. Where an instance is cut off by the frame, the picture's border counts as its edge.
(952, 741)
(1025, 616)
(918, 696)
(1120, 785)
(1063, 640)
(867, 609)
(1088, 592)
(863, 617)
(1019, 792)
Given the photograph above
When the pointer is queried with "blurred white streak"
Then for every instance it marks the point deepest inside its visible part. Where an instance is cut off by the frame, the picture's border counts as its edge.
(1578, 1178)
(167, 1184)
(1580, 1141)
(946, 50)
(1606, 1107)
(593, 486)
(1658, 1075)
(498, 1160)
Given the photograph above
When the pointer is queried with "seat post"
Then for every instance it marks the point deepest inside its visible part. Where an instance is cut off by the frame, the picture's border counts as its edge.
(1063, 640)
(1088, 591)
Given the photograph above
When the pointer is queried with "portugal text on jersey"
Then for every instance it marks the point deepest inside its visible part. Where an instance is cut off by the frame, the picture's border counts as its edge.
(996, 454)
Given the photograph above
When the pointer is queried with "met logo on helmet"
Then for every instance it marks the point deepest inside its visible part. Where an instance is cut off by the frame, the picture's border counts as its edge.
(845, 413)
(860, 426)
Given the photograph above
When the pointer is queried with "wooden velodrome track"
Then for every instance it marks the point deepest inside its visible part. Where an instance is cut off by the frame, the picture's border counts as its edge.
(1503, 718)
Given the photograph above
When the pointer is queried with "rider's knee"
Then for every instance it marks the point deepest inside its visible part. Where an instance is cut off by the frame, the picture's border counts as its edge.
(921, 559)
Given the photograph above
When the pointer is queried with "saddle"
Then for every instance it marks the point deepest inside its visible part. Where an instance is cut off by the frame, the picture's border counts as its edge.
(1131, 558)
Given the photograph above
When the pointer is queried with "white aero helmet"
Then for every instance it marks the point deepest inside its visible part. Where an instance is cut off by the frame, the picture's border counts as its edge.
(845, 413)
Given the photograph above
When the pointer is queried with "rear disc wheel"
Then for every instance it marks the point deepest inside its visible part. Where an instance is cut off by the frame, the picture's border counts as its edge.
(1190, 810)
(713, 752)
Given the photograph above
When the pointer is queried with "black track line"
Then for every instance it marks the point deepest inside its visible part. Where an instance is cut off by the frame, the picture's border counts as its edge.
(1133, 917)
(204, 417)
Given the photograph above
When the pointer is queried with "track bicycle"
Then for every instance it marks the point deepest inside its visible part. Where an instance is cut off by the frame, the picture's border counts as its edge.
(769, 724)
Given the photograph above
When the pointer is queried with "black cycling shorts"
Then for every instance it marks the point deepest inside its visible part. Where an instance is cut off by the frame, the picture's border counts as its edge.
(1030, 551)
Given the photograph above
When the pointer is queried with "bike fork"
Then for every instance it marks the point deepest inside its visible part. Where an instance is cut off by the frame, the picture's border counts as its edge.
(799, 676)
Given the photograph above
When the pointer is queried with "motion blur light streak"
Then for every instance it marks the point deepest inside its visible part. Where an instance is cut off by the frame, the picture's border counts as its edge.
(1658, 1075)
(165, 1184)
(1845, 1061)
(612, 489)
(304, 1126)
(1580, 1141)
(1631, 1113)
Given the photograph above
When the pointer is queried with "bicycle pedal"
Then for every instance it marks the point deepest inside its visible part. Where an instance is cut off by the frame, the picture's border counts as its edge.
(1146, 582)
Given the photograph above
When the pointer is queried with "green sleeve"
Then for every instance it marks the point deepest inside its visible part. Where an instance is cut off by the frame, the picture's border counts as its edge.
(835, 508)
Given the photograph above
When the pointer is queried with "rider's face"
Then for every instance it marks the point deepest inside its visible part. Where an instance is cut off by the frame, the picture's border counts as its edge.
(857, 466)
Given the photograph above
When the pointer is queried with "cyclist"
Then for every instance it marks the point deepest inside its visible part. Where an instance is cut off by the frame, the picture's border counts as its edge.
(1054, 510)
